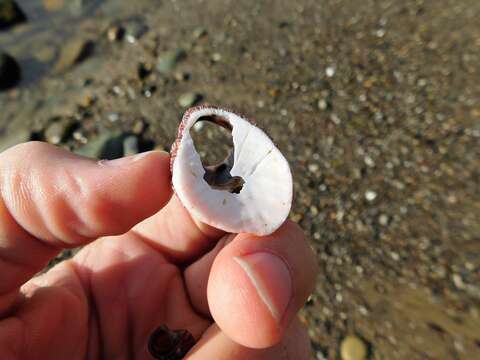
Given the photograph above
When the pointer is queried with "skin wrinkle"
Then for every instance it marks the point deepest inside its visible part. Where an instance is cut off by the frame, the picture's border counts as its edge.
(45, 247)
(80, 227)
(22, 201)
(86, 282)
(130, 333)
(20, 347)
(130, 348)
(79, 291)
(94, 309)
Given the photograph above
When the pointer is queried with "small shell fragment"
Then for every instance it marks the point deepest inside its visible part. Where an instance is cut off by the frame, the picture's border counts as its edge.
(251, 191)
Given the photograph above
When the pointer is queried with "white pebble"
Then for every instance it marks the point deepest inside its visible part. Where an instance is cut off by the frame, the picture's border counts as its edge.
(370, 195)
(330, 71)
(369, 161)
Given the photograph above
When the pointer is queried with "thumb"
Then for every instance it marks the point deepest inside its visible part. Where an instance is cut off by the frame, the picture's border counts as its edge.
(51, 199)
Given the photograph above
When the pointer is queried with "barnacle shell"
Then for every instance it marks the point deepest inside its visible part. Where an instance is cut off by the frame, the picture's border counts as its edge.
(250, 192)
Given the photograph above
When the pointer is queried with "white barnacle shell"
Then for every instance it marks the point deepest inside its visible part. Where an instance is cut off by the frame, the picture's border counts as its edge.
(250, 192)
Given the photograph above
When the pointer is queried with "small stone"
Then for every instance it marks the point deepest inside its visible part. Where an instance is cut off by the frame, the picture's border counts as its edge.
(134, 30)
(189, 99)
(45, 53)
(79, 136)
(53, 5)
(107, 145)
(148, 90)
(86, 99)
(168, 61)
(73, 53)
(353, 348)
(216, 57)
(115, 33)
(199, 33)
(130, 145)
(322, 104)
(113, 117)
(182, 76)
(57, 131)
(143, 70)
(383, 220)
(330, 71)
(9, 71)
(370, 195)
(363, 310)
(78, 7)
(138, 127)
(380, 33)
(395, 256)
(297, 218)
(10, 14)
(369, 161)
(458, 281)
(313, 168)
(335, 119)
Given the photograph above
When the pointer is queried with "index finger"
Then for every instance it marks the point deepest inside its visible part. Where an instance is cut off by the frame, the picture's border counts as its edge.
(51, 199)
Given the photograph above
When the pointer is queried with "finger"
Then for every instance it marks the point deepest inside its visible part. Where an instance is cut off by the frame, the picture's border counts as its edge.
(257, 285)
(176, 234)
(52, 199)
(196, 277)
(215, 344)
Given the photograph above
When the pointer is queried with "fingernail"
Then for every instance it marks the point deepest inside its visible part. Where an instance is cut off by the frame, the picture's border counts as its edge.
(271, 278)
(128, 159)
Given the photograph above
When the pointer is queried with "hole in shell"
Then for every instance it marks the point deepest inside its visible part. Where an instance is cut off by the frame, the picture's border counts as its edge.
(212, 137)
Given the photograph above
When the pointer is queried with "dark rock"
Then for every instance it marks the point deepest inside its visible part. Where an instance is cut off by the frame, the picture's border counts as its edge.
(9, 71)
(59, 130)
(107, 145)
(10, 14)
(115, 33)
(73, 53)
(143, 70)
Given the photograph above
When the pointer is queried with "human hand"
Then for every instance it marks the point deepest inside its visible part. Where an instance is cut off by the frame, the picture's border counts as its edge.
(147, 263)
